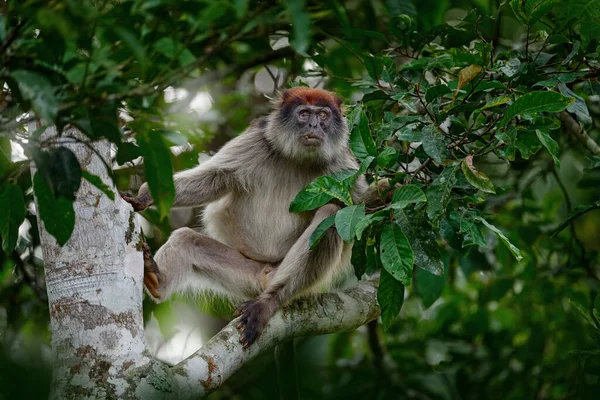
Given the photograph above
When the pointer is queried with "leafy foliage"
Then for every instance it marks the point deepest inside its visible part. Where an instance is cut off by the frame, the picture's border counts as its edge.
(484, 291)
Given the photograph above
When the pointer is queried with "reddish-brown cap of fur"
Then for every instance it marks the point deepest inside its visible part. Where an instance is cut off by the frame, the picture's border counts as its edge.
(305, 95)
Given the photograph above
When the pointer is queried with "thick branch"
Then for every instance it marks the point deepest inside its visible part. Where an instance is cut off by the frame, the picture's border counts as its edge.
(223, 355)
(573, 128)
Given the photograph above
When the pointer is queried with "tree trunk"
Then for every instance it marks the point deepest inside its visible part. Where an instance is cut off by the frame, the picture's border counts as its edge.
(94, 285)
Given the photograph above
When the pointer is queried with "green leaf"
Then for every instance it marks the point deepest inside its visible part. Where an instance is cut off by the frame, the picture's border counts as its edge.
(56, 213)
(536, 102)
(472, 233)
(550, 145)
(423, 241)
(365, 222)
(428, 286)
(578, 107)
(433, 143)
(495, 102)
(513, 249)
(60, 169)
(38, 90)
(171, 49)
(12, 215)
(439, 193)
(127, 151)
(131, 41)
(519, 12)
(589, 31)
(320, 231)
(396, 254)
(390, 297)
(578, 8)
(387, 156)
(435, 92)
(5, 154)
(97, 182)
(573, 53)
(405, 195)
(536, 9)
(158, 170)
(476, 178)
(318, 193)
(361, 142)
(346, 220)
(300, 24)
(596, 310)
(583, 311)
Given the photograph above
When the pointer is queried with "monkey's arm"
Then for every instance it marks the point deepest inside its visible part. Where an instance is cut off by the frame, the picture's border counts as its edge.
(195, 186)
(300, 270)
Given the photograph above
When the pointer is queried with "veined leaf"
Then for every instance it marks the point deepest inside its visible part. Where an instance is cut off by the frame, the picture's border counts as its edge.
(396, 254)
(438, 193)
(320, 231)
(536, 102)
(513, 249)
(466, 75)
(390, 297)
(476, 178)
(433, 143)
(406, 195)
(346, 220)
(422, 239)
(550, 145)
(361, 142)
(318, 193)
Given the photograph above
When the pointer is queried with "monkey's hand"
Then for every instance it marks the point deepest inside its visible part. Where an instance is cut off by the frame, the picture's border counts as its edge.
(151, 273)
(254, 315)
(139, 203)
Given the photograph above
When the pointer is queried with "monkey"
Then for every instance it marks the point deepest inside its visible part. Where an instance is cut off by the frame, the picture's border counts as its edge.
(252, 249)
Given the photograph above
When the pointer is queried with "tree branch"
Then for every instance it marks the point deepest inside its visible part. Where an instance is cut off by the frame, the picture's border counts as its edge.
(223, 355)
(573, 128)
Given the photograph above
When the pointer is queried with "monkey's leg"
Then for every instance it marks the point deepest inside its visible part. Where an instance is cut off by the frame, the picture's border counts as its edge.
(190, 261)
(299, 271)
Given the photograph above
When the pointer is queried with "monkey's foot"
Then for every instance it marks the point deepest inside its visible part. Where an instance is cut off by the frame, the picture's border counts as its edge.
(254, 315)
(151, 272)
(137, 203)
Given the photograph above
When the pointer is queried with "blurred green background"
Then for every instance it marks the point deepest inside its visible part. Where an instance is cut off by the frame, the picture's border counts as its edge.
(492, 328)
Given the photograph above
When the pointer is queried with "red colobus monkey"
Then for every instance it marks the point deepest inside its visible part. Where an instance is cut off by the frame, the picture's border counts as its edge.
(252, 248)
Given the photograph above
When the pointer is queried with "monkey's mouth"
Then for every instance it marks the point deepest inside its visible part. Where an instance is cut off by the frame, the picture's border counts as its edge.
(311, 140)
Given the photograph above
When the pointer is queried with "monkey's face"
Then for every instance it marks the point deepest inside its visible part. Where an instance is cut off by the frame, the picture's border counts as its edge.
(313, 124)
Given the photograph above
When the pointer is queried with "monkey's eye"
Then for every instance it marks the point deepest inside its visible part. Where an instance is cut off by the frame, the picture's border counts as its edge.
(303, 114)
(323, 115)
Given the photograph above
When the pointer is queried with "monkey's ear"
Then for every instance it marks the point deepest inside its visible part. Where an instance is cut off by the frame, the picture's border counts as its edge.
(338, 100)
(284, 96)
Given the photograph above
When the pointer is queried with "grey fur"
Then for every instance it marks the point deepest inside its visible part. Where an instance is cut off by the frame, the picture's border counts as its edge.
(252, 245)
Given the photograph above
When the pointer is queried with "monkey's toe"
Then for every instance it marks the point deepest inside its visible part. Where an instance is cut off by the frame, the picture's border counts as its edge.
(254, 315)
(134, 201)
(151, 272)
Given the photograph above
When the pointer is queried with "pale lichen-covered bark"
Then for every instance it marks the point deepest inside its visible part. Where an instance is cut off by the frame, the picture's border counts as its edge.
(94, 285)
(223, 355)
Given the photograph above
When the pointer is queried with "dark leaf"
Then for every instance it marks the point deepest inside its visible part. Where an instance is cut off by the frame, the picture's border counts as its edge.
(11, 216)
(390, 297)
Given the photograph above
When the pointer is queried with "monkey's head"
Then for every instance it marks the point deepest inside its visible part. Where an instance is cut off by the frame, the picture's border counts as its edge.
(308, 125)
